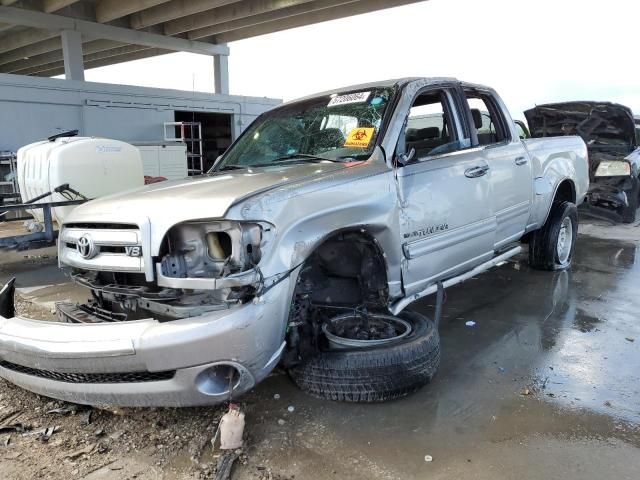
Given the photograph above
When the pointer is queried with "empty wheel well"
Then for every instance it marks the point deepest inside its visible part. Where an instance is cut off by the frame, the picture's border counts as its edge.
(566, 192)
(346, 271)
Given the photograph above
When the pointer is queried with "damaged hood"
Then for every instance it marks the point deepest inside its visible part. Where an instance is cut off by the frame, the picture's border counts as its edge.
(600, 124)
(207, 196)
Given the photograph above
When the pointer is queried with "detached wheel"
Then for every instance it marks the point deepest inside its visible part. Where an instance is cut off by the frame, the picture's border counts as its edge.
(633, 197)
(551, 247)
(385, 371)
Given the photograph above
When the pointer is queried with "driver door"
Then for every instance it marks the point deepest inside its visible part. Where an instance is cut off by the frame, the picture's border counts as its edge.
(446, 221)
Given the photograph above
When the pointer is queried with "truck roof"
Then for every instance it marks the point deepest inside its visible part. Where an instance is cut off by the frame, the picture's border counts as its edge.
(386, 83)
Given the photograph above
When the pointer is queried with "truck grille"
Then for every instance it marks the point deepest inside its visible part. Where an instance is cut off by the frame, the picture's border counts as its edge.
(124, 377)
(102, 247)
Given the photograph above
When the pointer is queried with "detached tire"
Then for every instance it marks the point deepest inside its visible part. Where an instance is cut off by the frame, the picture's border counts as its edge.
(551, 247)
(374, 374)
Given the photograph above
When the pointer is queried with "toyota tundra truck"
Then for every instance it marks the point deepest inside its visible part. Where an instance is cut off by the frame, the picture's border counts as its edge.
(302, 246)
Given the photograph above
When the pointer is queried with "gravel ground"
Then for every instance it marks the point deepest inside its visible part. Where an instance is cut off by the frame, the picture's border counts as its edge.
(88, 439)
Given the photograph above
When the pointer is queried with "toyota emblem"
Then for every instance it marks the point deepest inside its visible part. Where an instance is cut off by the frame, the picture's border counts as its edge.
(86, 248)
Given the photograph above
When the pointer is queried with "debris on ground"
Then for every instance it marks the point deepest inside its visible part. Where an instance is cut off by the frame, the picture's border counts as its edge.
(231, 429)
(470, 323)
(81, 451)
(291, 408)
(14, 427)
(629, 339)
(66, 410)
(225, 464)
(43, 434)
(428, 458)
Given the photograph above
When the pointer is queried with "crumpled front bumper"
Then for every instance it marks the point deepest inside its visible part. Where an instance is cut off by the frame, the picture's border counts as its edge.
(146, 362)
(609, 191)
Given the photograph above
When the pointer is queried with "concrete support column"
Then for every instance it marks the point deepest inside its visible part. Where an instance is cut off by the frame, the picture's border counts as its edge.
(72, 55)
(221, 73)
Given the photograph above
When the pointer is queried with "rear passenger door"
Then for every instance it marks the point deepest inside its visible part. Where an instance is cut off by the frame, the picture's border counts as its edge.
(503, 151)
(446, 220)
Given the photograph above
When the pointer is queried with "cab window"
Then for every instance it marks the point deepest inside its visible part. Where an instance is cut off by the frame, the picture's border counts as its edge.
(429, 127)
(487, 120)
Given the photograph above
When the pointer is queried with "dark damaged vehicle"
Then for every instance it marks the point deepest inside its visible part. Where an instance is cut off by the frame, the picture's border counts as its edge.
(303, 246)
(610, 132)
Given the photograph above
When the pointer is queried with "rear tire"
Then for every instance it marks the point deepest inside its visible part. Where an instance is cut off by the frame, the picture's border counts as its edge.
(551, 247)
(374, 374)
(633, 197)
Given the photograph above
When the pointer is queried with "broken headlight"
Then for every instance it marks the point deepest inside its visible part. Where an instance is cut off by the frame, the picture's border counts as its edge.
(613, 169)
(213, 249)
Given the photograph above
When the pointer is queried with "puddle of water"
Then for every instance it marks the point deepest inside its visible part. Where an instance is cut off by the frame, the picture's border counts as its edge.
(594, 364)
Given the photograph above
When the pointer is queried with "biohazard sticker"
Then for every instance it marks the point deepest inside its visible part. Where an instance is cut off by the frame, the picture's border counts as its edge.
(358, 97)
(359, 137)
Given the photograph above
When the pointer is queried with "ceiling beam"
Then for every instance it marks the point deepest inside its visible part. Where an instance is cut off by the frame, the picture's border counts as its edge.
(150, 52)
(358, 8)
(39, 48)
(11, 41)
(93, 30)
(89, 58)
(56, 56)
(224, 14)
(265, 18)
(49, 6)
(108, 10)
(174, 9)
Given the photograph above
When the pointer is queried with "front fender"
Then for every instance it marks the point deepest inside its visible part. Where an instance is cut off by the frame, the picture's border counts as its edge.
(358, 199)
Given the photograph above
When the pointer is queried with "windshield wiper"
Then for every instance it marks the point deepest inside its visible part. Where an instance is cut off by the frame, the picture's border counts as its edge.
(230, 167)
(304, 157)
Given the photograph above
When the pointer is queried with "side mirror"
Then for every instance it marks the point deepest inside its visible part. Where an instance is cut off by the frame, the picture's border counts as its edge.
(405, 158)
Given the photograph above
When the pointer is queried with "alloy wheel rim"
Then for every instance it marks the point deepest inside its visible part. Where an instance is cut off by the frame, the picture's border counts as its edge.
(565, 240)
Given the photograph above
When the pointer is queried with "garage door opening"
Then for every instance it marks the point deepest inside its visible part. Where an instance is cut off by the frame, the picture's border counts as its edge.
(207, 136)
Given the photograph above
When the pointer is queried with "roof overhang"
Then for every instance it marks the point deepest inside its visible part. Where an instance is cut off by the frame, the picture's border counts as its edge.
(115, 31)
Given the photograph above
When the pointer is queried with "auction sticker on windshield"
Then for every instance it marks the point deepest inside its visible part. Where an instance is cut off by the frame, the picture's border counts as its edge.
(359, 137)
(358, 97)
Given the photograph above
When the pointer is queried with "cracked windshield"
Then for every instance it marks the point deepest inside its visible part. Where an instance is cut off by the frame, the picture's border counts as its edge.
(331, 128)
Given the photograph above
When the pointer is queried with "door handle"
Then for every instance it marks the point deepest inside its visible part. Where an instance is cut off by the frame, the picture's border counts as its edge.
(521, 160)
(475, 172)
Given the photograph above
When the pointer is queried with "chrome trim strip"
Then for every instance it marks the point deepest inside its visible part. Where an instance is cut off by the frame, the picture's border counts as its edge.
(114, 238)
(111, 262)
(249, 277)
(447, 239)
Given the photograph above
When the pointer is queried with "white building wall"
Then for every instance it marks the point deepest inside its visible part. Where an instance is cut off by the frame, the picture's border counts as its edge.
(33, 108)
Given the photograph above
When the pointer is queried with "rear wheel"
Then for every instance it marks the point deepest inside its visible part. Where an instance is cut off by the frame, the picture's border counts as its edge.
(551, 247)
(353, 372)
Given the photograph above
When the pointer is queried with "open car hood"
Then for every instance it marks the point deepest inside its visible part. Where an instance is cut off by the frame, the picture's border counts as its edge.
(600, 124)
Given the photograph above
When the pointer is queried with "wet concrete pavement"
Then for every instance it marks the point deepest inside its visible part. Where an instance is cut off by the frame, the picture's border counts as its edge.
(545, 385)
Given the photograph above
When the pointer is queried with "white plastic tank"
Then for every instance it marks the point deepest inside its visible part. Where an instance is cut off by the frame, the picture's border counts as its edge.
(95, 167)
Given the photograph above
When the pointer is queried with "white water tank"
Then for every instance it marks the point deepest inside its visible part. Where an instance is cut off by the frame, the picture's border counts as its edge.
(95, 167)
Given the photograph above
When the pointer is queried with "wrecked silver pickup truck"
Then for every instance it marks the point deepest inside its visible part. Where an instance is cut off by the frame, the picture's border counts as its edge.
(302, 246)
(610, 132)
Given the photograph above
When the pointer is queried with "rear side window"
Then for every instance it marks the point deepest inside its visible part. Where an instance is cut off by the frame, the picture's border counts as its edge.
(487, 119)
